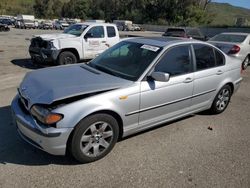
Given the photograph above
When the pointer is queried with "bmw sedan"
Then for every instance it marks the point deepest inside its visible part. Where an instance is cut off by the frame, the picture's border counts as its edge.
(135, 85)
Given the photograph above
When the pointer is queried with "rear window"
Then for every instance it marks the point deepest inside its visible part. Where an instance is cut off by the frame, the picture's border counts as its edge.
(111, 31)
(229, 38)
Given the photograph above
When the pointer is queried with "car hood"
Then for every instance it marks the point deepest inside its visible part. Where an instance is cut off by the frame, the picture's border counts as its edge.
(54, 36)
(48, 85)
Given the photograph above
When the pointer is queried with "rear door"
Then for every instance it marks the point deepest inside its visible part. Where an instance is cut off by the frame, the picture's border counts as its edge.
(95, 44)
(164, 100)
(208, 75)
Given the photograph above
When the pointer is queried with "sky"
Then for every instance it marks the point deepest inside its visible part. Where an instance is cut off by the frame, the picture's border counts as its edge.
(239, 3)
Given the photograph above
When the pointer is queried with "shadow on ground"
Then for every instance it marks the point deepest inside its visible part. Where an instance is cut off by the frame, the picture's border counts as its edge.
(15, 151)
(27, 63)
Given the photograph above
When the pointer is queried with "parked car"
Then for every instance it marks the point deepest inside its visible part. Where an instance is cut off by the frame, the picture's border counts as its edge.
(6, 21)
(4, 27)
(136, 27)
(234, 44)
(135, 85)
(61, 25)
(78, 42)
(46, 25)
(192, 33)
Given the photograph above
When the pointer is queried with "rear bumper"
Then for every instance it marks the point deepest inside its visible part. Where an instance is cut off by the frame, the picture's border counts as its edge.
(49, 139)
(42, 55)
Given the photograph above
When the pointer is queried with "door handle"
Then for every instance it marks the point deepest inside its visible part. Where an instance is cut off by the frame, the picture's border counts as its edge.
(104, 41)
(219, 72)
(188, 80)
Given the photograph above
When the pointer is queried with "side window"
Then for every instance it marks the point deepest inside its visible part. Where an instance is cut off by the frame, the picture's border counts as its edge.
(111, 31)
(97, 32)
(204, 57)
(220, 59)
(176, 61)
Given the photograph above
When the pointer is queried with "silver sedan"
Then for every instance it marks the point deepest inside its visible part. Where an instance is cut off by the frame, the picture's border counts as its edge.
(234, 44)
(135, 85)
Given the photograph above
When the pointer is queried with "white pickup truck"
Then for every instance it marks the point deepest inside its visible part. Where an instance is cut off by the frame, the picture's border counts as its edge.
(80, 41)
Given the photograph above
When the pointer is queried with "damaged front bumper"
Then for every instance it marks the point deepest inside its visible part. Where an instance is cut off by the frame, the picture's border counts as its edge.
(49, 139)
(42, 55)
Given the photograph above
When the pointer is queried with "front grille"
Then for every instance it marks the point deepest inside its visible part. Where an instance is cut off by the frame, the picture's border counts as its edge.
(21, 104)
(39, 42)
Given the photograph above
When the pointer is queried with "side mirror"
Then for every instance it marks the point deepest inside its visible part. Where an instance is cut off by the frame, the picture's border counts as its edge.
(160, 76)
(88, 35)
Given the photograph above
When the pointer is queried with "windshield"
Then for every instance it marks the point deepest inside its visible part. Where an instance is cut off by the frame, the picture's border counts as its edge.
(75, 29)
(229, 38)
(127, 60)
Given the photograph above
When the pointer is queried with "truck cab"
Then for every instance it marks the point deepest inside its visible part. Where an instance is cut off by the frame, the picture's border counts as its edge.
(81, 41)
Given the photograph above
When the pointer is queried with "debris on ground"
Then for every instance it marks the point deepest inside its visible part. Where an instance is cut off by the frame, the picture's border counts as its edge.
(210, 128)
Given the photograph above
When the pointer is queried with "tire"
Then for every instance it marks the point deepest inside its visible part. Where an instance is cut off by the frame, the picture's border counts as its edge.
(245, 63)
(67, 57)
(94, 137)
(221, 100)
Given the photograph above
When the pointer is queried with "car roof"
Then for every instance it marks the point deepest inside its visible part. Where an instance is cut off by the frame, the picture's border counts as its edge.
(95, 23)
(234, 33)
(163, 41)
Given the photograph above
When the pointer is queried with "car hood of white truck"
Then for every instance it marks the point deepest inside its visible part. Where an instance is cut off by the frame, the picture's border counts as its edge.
(55, 36)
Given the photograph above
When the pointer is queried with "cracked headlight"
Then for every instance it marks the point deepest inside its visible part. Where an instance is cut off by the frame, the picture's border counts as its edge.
(45, 116)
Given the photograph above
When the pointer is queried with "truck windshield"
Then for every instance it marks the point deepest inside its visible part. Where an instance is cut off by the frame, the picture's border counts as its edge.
(75, 29)
(127, 60)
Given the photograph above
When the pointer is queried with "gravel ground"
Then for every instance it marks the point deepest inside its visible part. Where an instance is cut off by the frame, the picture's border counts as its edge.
(180, 154)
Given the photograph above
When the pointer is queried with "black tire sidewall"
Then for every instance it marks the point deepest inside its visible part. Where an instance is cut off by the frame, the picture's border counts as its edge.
(65, 54)
(244, 63)
(82, 127)
(214, 109)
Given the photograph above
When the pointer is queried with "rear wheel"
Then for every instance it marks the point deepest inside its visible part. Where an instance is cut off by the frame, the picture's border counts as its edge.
(67, 58)
(221, 100)
(94, 138)
(245, 63)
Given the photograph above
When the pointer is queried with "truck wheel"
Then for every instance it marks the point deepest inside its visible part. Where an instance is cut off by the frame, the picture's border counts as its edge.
(94, 137)
(67, 58)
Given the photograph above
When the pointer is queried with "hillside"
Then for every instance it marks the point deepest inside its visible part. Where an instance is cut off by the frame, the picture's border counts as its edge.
(226, 14)
(14, 7)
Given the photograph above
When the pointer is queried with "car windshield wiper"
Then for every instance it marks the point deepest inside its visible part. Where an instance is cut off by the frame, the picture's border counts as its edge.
(103, 69)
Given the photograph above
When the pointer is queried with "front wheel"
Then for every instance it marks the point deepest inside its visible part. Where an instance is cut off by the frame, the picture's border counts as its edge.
(245, 63)
(221, 100)
(67, 58)
(94, 137)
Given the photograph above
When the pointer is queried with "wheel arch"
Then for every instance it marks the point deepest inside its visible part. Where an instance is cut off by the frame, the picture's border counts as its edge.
(72, 50)
(109, 112)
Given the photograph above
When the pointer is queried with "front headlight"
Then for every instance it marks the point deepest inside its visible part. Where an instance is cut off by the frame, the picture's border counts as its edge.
(45, 116)
(51, 46)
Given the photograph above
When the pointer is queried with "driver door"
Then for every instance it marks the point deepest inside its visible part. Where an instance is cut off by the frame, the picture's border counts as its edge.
(94, 42)
(165, 100)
